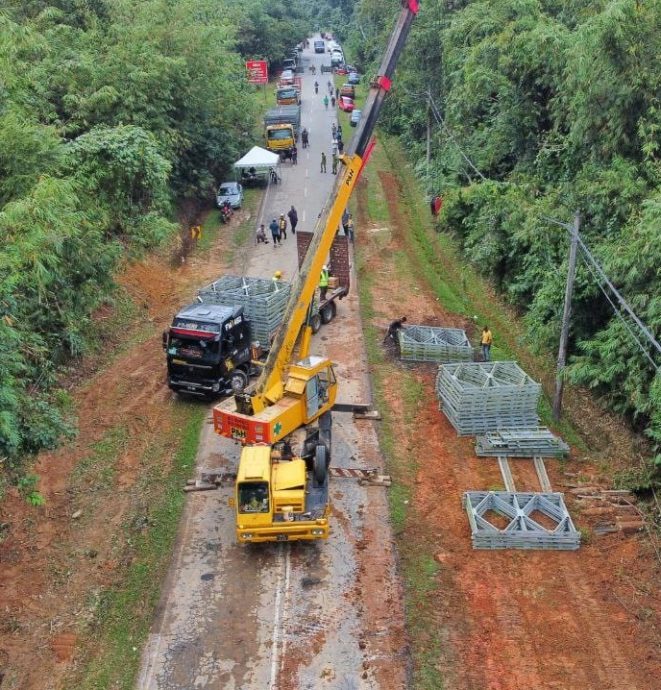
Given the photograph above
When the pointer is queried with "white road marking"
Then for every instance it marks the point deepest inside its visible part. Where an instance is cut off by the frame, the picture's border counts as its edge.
(285, 607)
(305, 191)
(307, 172)
(303, 216)
(280, 589)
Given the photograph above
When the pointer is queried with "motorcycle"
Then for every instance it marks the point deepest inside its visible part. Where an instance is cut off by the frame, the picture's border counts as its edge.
(226, 213)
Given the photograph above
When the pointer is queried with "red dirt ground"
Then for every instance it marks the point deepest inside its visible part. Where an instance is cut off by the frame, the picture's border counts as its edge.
(51, 563)
(584, 620)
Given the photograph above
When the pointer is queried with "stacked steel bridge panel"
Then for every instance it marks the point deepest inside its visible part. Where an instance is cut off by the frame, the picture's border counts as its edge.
(525, 443)
(487, 396)
(524, 513)
(427, 344)
(263, 301)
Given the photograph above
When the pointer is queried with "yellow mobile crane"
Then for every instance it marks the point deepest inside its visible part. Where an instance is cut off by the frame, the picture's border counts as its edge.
(279, 496)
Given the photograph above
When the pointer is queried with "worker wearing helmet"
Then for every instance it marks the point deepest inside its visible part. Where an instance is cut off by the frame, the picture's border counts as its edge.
(323, 283)
(277, 275)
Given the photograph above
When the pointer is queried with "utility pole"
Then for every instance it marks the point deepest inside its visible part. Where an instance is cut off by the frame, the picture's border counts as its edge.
(566, 316)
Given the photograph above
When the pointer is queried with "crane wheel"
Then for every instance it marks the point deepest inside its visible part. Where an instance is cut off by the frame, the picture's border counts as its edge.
(328, 312)
(320, 468)
(315, 323)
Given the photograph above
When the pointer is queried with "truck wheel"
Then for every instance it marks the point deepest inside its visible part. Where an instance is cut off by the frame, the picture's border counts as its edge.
(315, 323)
(238, 381)
(328, 312)
(320, 469)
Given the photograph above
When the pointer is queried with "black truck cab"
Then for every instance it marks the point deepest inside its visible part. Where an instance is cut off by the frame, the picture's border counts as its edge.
(208, 350)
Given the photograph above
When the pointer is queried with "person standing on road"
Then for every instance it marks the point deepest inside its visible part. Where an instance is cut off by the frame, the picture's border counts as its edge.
(275, 233)
(282, 226)
(261, 235)
(304, 137)
(326, 102)
(337, 94)
(323, 161)
(339, 131)
(334, 130)
(332, 101)
(486, 341)
(348, 230)
(345, 220)
(323, 283)
(316, 87)
(340, 146)
(294, 155)
(334, 163)
(293, 218)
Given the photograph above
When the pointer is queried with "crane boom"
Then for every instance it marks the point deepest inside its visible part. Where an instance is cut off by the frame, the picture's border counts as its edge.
(280, 496)
(270, 383)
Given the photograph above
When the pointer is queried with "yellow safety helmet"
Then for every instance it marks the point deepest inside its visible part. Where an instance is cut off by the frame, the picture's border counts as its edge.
(277, 274)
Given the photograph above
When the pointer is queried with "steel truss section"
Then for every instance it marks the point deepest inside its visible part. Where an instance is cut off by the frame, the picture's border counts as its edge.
(487, 396)
(264, 301)
(521, 443)
(428, 344)
(524, 531)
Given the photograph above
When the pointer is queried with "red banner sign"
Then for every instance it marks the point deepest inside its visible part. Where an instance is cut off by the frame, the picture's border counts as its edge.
(258, 71)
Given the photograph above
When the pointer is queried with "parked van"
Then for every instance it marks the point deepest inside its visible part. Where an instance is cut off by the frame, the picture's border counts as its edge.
(337, 58)
(289, 64)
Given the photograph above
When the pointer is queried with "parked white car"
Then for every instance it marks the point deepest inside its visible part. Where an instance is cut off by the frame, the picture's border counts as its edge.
(232, 192)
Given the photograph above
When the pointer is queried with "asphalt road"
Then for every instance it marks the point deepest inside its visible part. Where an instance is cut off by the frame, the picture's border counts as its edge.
(287, 616)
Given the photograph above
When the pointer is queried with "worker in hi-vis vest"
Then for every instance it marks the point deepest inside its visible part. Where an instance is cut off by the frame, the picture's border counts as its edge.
(323, 283)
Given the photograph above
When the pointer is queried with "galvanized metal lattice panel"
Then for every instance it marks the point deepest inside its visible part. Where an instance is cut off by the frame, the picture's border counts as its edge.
(478, 397)
(431, 344)
(264, 301)
(521, 443)
(522, 530)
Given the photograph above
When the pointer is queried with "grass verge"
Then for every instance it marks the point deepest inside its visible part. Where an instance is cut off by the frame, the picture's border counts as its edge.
(417, 567)
(124, 613)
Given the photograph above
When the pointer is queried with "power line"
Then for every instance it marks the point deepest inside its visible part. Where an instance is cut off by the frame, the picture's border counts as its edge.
(615, 307)
(439, 118)
(620, 299)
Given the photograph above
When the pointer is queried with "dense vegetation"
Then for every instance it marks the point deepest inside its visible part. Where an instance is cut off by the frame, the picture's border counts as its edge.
(111, 111)
(546, 107)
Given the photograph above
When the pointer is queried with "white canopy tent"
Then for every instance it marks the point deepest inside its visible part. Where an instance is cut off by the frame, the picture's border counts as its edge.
(259, 159)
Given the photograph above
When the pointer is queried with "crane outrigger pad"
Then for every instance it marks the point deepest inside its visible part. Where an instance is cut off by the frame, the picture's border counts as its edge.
(214, 479)
(359, 410)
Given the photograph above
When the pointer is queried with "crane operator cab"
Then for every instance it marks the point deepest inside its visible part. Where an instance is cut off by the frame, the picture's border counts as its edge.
(282, 499)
